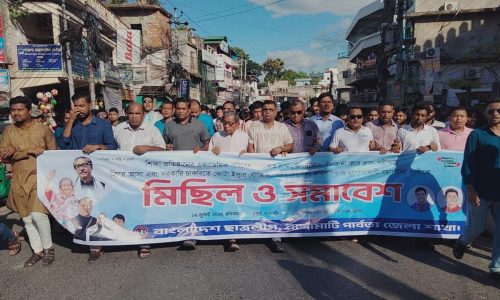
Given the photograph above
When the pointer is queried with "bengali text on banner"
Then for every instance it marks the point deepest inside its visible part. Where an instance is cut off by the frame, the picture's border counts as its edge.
(118, 198)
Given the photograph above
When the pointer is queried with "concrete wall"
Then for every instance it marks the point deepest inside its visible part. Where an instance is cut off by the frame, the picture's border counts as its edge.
(435, 5)
(457, 36)
(155, 27)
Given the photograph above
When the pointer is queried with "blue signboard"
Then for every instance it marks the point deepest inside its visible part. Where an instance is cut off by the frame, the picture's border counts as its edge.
(184, 89)
(80, 65)
(39, 57)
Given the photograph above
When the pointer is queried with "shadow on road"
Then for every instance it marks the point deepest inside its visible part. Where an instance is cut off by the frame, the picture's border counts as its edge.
(372, 278)
(321, 283)
(438, 260)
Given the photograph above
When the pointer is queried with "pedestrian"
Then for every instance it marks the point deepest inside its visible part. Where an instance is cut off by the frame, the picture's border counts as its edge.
(285, 110)
(85, 132)
(384, 129)
(400, 117)
(326, 122)
(22, 142)
(228, 106)
(58, 132)
(371, 115)
(481, 173)
(219, 113)
(232, 140)
(256, 112)
(167, 111)
(113, 117)
(207, 120)
(353, 137)
(102, 114)
(454, 136)
(313, 106)
(418, 136)
(305, 133)
(431, 118)
(151, 115)
(185, 133)
(12, 238)
(138, 137)
(270, 136)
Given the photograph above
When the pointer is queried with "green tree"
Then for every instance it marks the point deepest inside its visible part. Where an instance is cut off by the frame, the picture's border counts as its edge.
(273, 67)
(291, 75)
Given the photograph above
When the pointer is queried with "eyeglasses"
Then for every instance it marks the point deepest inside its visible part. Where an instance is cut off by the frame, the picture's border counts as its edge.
(296, 112)
(87, 164)
(228, 124)
(491, 112)
(352, 117)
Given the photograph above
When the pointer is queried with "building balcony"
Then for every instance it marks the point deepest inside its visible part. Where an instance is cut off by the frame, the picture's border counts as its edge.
(362, 75)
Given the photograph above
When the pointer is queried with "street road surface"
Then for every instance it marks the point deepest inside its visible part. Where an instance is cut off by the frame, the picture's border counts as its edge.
(311, 268)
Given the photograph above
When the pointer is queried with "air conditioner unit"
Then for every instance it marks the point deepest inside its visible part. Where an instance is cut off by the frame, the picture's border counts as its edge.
(451, 6)
(473, 73)
(432, 53)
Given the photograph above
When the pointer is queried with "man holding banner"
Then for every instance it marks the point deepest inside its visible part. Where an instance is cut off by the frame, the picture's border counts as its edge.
(138, 137)
(418, 136)
(270, 136)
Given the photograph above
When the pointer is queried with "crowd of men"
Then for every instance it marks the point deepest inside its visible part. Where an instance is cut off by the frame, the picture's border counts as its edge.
(266, 128)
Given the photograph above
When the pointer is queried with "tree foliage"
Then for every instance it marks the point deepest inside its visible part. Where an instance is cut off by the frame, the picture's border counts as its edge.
(291, 75)
(274, 68)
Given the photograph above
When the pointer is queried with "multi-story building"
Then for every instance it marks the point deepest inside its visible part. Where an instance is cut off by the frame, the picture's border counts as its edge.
(345, 68)
(454, 51)
(364, 37)
(35, 56)
(148, 76)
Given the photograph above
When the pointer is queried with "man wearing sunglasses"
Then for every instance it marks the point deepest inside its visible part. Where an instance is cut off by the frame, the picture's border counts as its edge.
(305, 133)
(354, 137)
(481, 173)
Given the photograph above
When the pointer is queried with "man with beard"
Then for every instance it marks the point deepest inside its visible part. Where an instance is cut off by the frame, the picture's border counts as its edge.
(418, 136)
(85, 132)
(384, 129)
(21, 144)
(480, 172)
(327, 123)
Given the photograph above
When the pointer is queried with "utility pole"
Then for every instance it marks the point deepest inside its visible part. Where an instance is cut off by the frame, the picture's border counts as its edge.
(69, 66)
(403, 54)
(245, 82)
(331, 82)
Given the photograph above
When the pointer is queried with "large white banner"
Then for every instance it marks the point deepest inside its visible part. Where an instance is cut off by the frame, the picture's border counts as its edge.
(128, 46)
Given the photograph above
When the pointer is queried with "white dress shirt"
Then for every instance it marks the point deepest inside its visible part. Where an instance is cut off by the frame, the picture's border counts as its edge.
(229, 143)
(127, 138)
(412, 139)
(352, 141)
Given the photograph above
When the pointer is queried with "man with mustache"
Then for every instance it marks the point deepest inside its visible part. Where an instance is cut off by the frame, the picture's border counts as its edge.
(85, 132)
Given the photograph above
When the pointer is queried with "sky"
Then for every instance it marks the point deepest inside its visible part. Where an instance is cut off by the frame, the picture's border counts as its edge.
(306, 34)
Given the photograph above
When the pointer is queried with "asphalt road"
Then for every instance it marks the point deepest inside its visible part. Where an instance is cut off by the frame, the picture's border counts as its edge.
(311, 268)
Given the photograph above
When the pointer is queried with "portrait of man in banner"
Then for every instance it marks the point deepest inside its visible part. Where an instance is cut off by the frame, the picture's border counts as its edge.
(86, 184)
(420, 199)
(450, 199)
